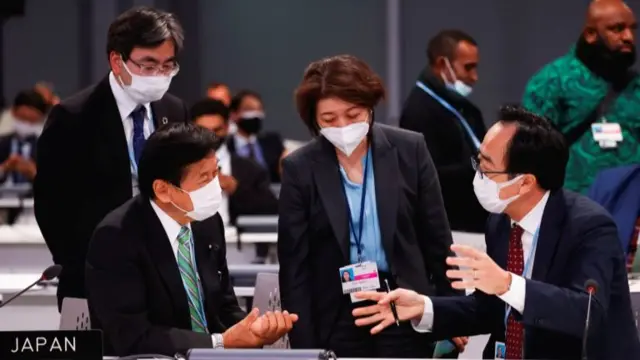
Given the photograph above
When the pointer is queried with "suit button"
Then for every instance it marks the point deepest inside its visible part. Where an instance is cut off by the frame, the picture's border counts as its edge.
(216, 247)
(539, 321)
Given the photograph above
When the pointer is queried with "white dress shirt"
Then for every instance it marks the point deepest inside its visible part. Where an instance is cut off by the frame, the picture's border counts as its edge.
(125, 106)
(515, 296)
(172, 228)
(224, 163)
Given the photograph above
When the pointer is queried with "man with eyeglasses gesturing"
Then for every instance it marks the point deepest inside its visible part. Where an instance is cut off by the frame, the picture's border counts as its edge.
(546, 249)
(89, 150)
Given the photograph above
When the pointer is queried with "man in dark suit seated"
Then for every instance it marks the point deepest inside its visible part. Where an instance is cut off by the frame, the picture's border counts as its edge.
(89, 151)
(245, 184)
(156, 274)
(544, 245)
(18, 149)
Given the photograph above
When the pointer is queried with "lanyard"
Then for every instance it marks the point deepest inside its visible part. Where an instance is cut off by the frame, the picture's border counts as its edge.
(358, 237)
(525, 271)
(455, 112)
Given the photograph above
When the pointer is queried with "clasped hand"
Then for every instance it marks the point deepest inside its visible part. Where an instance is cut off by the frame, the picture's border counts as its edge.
(255, 331)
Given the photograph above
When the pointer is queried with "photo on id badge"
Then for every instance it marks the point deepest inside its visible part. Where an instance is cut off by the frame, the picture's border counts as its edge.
(359, 277)
(501, 350)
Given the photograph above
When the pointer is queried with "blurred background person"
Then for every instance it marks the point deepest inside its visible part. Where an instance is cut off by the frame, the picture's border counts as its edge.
(438, 107)
(46, 90)
(618, 191)
(593, 84)
(89, 151)
(250, 141)
(219, 91)
(245, 184)
(359, 193)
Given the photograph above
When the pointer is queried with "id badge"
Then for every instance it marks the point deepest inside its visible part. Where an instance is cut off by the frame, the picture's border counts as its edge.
(606, 133)
(500, 350)
(359, 277)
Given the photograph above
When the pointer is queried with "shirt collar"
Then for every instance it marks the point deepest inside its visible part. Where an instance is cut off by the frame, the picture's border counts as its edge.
(124, 102)
(222, 153)
(242, 141)
(171, 227)
(531, 222)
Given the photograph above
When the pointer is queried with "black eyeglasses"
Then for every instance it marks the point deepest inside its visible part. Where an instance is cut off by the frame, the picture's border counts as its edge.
(476, 167)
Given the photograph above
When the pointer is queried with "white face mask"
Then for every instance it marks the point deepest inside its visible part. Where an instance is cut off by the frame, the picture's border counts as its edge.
(458, 86)
(206, 201)
(488, 193)
(146, 89)
(25, 129)
(346, 138)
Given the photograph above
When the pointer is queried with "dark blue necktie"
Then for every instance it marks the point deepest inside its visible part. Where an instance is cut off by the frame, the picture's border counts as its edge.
(138, 132)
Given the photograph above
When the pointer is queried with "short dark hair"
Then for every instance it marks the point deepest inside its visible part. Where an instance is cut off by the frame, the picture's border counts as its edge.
(445, 44)
(33, 99)
(169, 151)
(345, 77)
(209, 107)
(537, 147)
(143, 27)
(237, 99)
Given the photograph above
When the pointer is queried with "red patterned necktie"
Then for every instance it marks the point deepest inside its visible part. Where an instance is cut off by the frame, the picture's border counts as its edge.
(515, 265)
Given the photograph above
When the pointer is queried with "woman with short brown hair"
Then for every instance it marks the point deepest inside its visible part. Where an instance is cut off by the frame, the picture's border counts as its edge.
(361, 198)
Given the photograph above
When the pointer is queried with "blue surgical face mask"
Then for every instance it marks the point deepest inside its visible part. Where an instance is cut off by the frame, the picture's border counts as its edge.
(458, 86)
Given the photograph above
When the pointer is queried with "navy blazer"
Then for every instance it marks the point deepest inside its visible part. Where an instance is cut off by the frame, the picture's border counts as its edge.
(578, 241)
(618, 191)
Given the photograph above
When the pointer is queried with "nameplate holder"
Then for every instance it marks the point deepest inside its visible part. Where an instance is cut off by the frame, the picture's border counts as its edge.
(51, 345)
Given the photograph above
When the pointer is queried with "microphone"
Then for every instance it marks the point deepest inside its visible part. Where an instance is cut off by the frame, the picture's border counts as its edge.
(591, 286)
(48, 274)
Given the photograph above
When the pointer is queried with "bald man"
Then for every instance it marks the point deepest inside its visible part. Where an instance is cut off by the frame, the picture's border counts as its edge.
(591, 85)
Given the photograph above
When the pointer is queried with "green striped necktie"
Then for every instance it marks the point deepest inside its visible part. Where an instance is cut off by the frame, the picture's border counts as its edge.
(190, 280)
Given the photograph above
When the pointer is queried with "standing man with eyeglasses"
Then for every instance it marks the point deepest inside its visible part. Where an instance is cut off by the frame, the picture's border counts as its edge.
(89, 150)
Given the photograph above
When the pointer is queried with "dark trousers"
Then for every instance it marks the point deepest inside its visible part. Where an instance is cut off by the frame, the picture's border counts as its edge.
(348, 340)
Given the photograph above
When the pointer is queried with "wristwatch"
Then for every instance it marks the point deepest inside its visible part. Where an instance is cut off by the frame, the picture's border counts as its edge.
(218, 341)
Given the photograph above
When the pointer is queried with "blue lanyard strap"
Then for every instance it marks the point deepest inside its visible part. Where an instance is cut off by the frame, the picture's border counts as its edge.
(455, 112)
(525, 271)
(358, 237)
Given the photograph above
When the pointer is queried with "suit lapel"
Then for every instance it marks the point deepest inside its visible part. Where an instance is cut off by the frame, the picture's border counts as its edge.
(165, 261)
(329, 181)
(160, 114)
(498, 248)
(110, 137)
(549, 235)
(385, 167)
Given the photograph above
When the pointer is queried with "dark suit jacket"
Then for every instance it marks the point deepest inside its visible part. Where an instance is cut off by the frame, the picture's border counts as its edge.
(450, 146)
(272, 149)
(577, 241)
(253, 195)
(313, 227)
(618, 191)
(83, 165)
(135, 291)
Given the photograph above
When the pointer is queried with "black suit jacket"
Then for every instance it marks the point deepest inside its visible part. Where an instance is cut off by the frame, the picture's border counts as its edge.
(272, 149)
(253, 195)
(313, 227)
(578, 241)
(135, 291)
(450, 146)
(83, 167)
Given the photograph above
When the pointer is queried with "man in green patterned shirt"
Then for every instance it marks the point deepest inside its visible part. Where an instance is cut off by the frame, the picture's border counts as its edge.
(593, 83)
